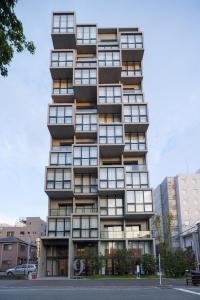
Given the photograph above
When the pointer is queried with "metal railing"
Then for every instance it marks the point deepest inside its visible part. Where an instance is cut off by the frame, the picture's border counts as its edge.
(125, 234)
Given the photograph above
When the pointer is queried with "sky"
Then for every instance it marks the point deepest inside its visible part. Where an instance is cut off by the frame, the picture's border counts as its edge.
(171, 70)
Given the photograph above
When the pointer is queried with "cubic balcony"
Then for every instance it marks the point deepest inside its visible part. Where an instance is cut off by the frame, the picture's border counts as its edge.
(139, 203)
(109, 235)
(60, 156)
(109, 66)
(135, 145)
(85, 84)
(131, 96)
(62, 64)
(58, 182)
(135, 118)
(131, 73)
(61, 121)
(86, 39)
(109, 98)
(63, 30)
(62, 91)
(111, 179)
(85, 185)
(137, 177)
(131, 46)
(85, 158)
(111, 139)
(86, 123)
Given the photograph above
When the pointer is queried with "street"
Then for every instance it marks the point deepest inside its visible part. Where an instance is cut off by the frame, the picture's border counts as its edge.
(100, 289)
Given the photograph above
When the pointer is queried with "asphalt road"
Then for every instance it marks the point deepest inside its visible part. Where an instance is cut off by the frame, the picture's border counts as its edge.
(98, 293)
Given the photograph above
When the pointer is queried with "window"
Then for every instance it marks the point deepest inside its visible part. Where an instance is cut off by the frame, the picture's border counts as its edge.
(6, 262)
(85, 227)
(58, 179)
(110, 248)
(85, 76)
(7, 247)
(131, 69)
(22, 248)
(111, 178)
(110, 94)
(61, 158)
(86, 35)
(139, 201)
(132, 95)
(63, 23)
(135, 141)
(85, 183)
(110, 134)
(86, 122)
(59, 227)
(60, 115)
(85, 156)
(135, 113)
(111, 206)
(63, 87)
(131, 41)
(109, 118)
(111, 232)
(62, 59)
(10, 233)
(109, 58)
(138, 248)
(136, 179)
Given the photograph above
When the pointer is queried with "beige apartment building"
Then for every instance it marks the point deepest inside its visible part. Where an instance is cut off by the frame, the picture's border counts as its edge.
(97, 179)
(28, 229)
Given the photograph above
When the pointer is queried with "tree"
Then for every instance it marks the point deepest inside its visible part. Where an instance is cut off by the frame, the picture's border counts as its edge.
(92, 260)
(148, 264)
(12, 37)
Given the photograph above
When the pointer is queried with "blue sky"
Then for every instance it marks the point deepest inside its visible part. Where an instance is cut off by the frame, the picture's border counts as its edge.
(171, 86)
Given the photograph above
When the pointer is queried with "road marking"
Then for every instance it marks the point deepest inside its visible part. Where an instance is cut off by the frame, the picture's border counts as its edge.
(187, 291)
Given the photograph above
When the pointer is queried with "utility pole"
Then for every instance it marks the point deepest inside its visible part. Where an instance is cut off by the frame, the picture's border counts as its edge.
(160, 271)
(28, 255)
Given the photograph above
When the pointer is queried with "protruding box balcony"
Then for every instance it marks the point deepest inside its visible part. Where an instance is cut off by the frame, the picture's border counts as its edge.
(135, 118)
(135, 144)
(109, 66)
(86, 40)
(85, 185)
(111, 139)
(131, 73)
(85, 84)
(139, 203)
(131, 46)
(86, 123)
(62, 64)
(59, 182)
(137, 177)
(61, 156)
(109, 98)
(111, 178)
(63, 30)
(85, 227)
(63, 91)
(132, 96)
(61, 121)
(85, 158)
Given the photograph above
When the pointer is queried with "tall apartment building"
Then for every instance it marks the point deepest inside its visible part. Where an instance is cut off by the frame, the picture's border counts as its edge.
(180, 197)
(97, 179)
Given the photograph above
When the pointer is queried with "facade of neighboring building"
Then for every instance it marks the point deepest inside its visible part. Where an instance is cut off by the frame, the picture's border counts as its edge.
(14, 251)
(28, 230)
(179, 196)
(97, 180)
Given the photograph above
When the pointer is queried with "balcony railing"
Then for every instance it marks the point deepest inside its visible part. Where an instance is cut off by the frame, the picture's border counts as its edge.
(60, 212)
(125, 234)
(136, 168)
(133, 98)
(86, 210)
(63, 91)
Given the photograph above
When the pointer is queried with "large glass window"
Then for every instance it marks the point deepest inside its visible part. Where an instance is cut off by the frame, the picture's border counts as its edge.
(111, 178)
(136, 179)
(135, 141)
(85, 227)
(132, 95)
(59, 227)
(85, 156)
(139, 201)
(63, 23)
(58, 179)
(62, 59)
(85, 76)
(110, 94)
(111, 206)
(110, 134)
(86, 122)
(131, 41)
(138, 248)
(85, 183)
(110, 248)
(131, 69)
(109, 58)
(61, 158)
(63, 87)
(135, 113)
(60, 115)
(86, 35)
